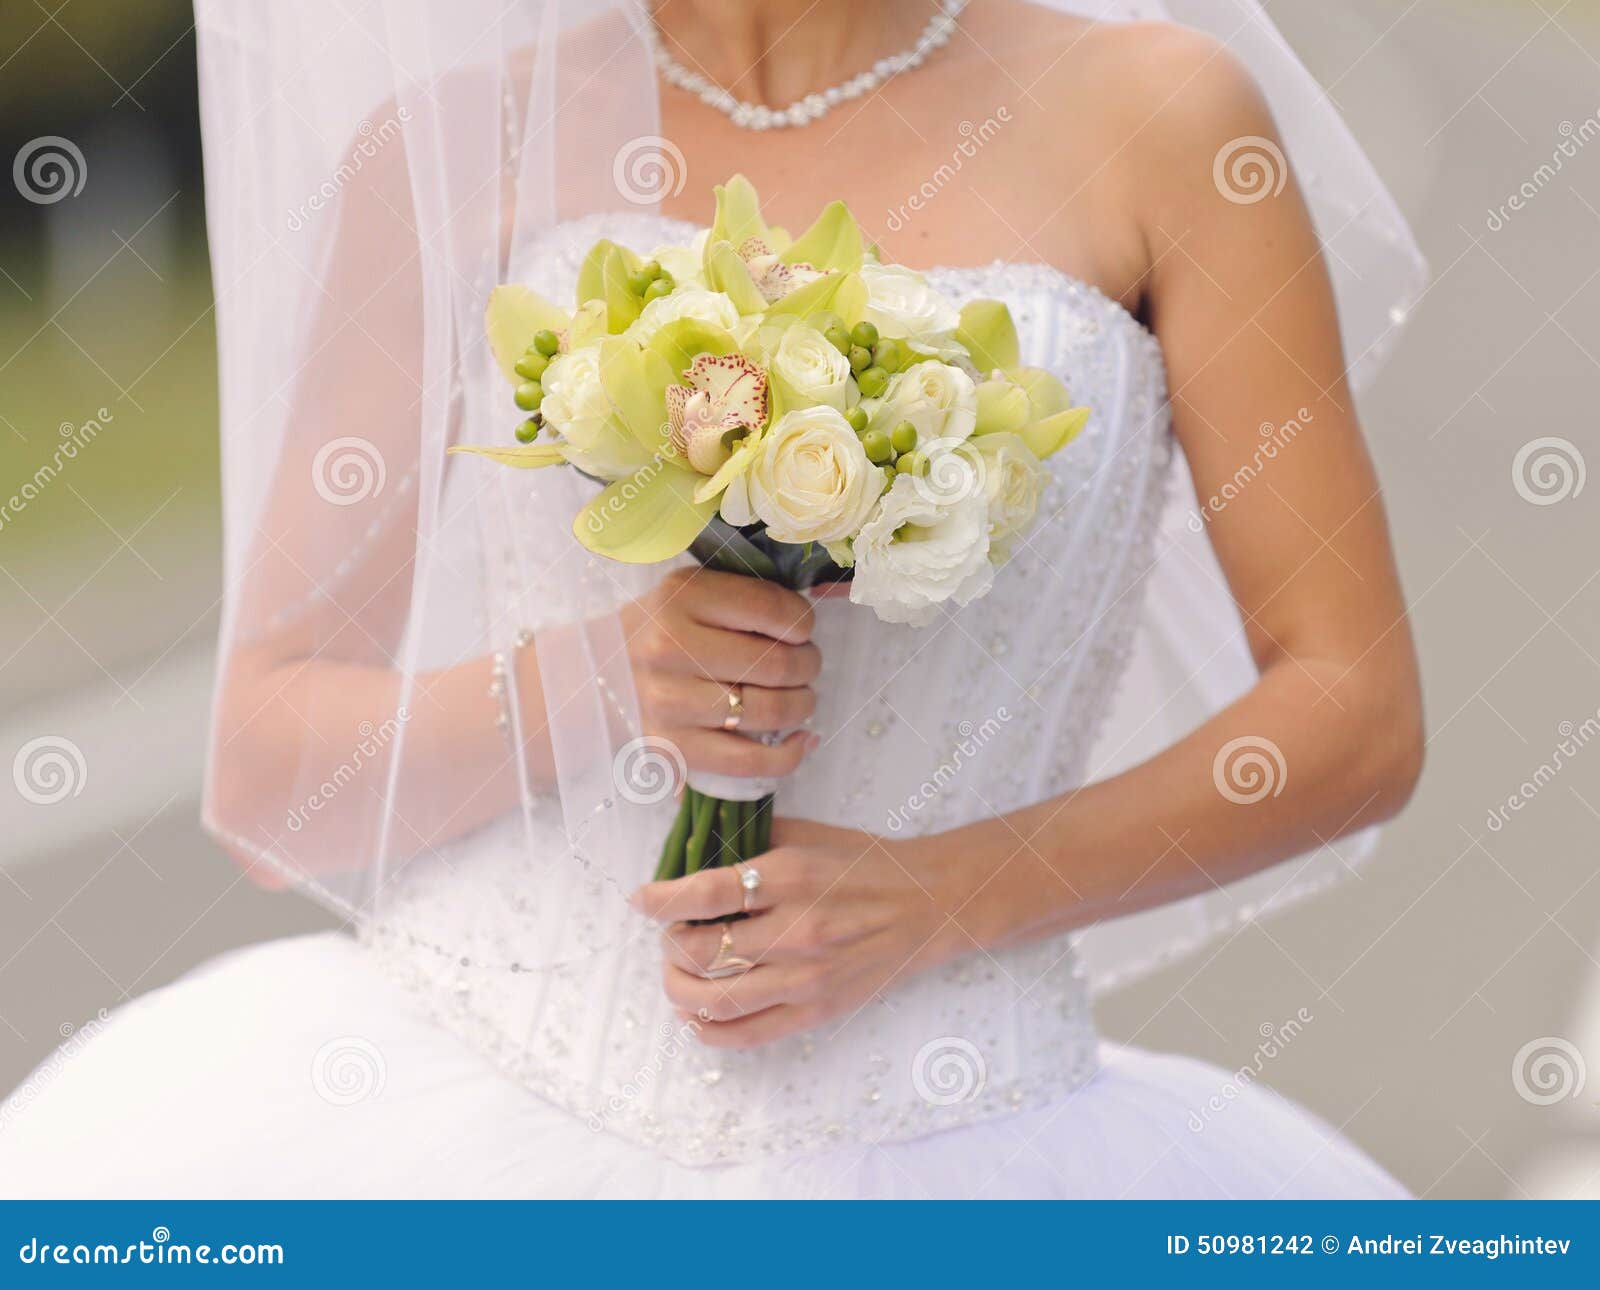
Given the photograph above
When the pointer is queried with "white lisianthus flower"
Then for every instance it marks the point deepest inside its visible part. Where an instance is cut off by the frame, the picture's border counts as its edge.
(811, 482)
(1013, 480)
(712, 307)
(940, 400)
(575, 404)
(920, 550)
(811, 368)
(901, 304)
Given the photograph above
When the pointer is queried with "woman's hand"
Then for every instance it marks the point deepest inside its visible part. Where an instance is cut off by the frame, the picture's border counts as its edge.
(701, 632)
(839, 917)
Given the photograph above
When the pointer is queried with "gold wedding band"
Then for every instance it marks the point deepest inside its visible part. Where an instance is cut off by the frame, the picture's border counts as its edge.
(735, 715)
(727, 963)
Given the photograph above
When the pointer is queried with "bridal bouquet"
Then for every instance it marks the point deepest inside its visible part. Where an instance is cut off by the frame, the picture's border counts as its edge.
(791, 409)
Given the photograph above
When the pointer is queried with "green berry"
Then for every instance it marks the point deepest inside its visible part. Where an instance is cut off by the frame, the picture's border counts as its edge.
(546, 342)
(877, 445)
(650, 270)
(528, 431)
(889, 354)
(529, 395)
(658, 288)
(903, 437)
(838, 337)
(873, 382)
(857, 417)
(639, 282)
(530, 367)
(860, 358)
(864, 334)
(910, 463)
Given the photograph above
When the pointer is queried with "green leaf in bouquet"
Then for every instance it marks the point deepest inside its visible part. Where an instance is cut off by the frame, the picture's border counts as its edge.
(635, 383)
(682, 341)
(514, 316)
(604, 276)
(722, 546)
(987, 333)
(528, 456)
(727, 272)
(1054, 433)
(644, 519)
(832, 244)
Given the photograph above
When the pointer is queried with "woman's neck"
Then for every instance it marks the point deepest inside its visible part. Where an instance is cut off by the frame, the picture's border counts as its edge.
(777, 51)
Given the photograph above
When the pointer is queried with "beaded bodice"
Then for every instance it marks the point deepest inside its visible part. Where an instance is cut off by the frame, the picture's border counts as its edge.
(992, 708)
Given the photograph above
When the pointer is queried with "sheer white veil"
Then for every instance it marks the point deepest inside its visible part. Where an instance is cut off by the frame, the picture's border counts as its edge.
(424, 685)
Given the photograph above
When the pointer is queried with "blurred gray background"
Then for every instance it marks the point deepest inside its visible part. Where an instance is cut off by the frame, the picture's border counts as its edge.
(1454, 992)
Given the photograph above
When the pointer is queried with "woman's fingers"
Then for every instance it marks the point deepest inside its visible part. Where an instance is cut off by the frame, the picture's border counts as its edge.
(766, 937)
(762, 987)
(742, 604)
(693, 702)
(711, 893)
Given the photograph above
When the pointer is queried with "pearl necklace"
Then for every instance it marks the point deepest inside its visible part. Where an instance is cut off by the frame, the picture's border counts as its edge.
(757, 116)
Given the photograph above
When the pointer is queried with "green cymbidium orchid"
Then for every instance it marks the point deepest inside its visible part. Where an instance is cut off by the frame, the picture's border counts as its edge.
(757, 265)
(1025, 401)
(686, 398)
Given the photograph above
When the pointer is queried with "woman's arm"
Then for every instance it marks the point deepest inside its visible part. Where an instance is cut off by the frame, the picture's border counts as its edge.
(1240, 298)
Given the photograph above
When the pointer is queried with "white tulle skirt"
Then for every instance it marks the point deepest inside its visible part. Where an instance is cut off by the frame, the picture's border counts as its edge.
(294, 1069)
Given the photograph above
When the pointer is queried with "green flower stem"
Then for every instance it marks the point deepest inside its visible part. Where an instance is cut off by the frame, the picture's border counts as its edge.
(763, 838)
(704, 810)
(672, 851)
(728, 829)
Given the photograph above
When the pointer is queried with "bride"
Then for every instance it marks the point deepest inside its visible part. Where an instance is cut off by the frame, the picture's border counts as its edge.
(438, 715)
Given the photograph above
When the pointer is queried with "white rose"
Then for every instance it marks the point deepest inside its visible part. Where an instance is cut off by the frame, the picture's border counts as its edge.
(811, 481)
(920, 550)
(900, 303)
(575, 404)
(1013, 481)
(813, 370)
(685, 302)
(940, 400)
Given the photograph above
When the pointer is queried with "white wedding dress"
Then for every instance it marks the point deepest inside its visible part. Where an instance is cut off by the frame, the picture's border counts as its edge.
(391, 1066)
